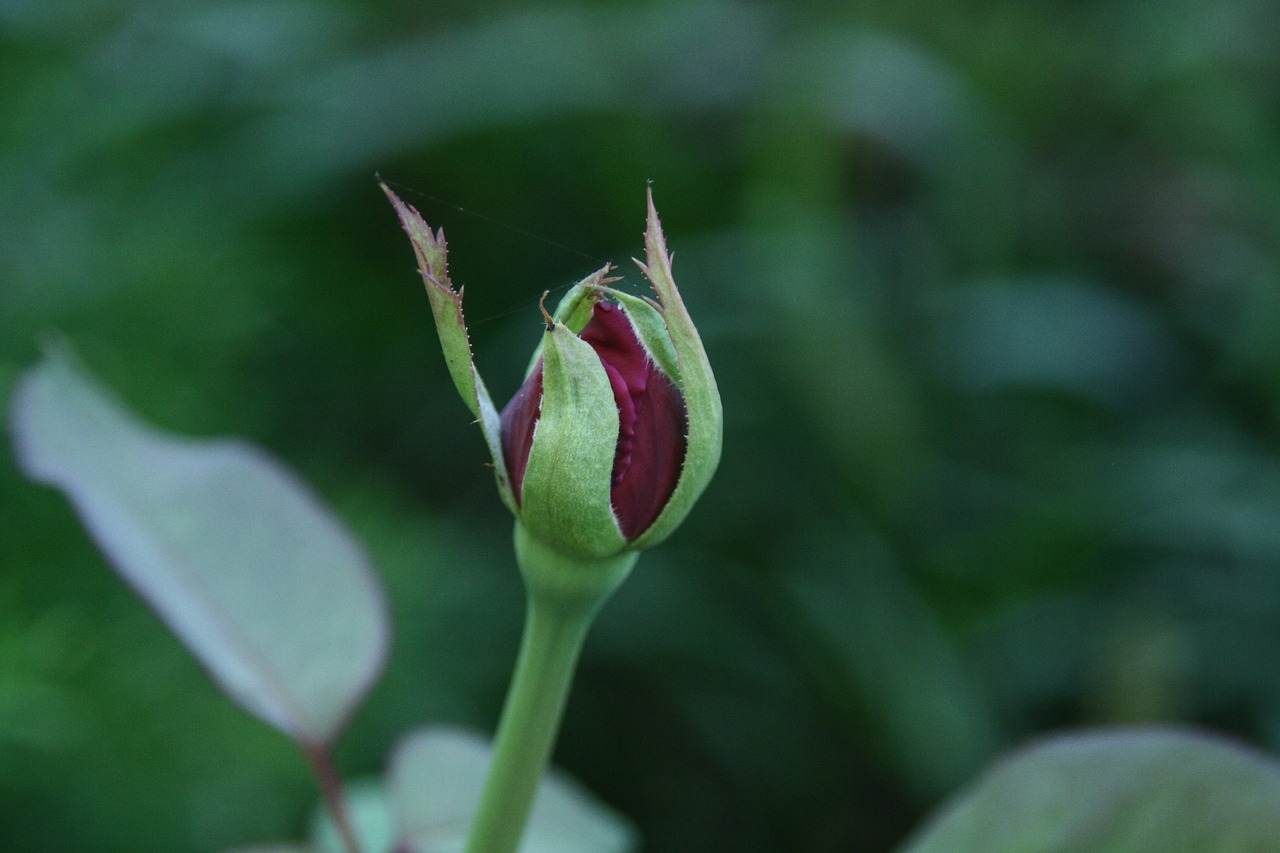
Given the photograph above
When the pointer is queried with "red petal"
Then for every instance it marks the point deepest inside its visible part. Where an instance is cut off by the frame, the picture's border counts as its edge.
(651, 422)
(519, 417)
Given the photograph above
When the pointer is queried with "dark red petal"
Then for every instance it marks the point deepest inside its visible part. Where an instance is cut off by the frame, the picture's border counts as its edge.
(610, 334)
(644, 480)
(518, 418)
(651, 422)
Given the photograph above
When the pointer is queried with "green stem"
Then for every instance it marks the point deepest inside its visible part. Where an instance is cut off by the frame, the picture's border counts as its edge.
(530, 720)
(564, 595)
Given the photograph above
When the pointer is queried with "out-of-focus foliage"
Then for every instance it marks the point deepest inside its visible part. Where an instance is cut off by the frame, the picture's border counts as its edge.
(1116, 791)
(234, 554)
(434, 786)
(990, 290)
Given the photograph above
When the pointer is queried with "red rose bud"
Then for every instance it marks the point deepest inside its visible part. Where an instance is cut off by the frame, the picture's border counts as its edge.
(651, 422)
(617, 429)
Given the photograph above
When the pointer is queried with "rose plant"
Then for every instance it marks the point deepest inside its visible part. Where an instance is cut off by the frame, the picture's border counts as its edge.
(602, 452)
(611, 438)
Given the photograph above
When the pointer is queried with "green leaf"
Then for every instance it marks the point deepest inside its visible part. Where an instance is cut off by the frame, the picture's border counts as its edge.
(265, 587)
(272, 848)
(1054, 332)
(1117, 791)
(436, 778)
(875, 648)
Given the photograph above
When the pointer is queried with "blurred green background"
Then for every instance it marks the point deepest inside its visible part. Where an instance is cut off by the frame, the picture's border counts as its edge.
(991, 289)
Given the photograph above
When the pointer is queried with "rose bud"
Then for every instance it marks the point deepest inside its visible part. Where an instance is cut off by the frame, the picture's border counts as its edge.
(617, 428)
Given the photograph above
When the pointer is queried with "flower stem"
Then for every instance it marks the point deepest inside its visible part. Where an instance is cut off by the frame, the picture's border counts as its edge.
(530, 720)
(564, 595)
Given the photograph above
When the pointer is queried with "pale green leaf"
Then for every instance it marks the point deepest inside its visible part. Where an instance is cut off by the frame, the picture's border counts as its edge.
(1117, 791)
(436, 778)
(371, 820)
(266, 588)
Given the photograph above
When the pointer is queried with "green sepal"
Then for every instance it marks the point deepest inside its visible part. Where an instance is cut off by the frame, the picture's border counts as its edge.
(566, 490)
(446, 308)
(651, 330)
(575, 584)
(574, 309)
(696, 382)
